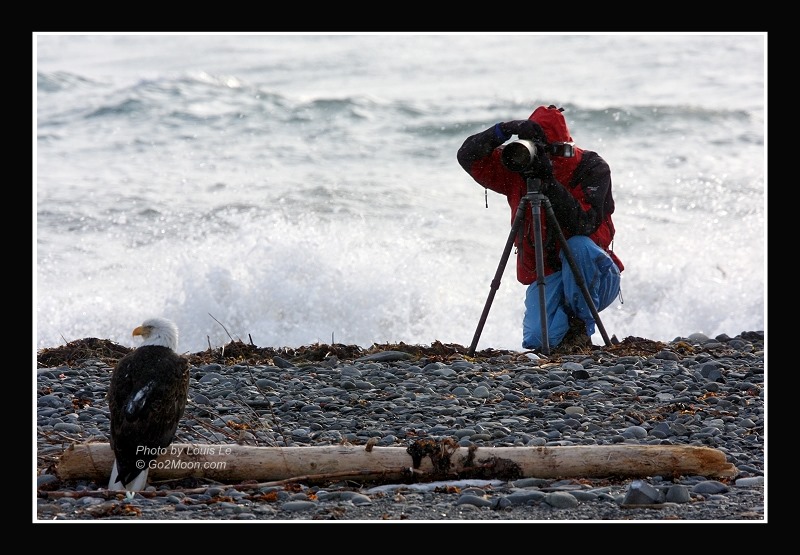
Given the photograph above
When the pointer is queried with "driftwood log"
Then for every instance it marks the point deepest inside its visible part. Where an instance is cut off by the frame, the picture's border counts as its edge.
(425, 460)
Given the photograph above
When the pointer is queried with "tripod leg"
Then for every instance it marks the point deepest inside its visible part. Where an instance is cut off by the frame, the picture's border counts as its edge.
(538, 243)
(519, 217)
(576, 270)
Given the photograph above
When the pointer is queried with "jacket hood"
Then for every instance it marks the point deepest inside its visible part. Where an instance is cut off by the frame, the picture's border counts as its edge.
(555, 129)
(553, 123)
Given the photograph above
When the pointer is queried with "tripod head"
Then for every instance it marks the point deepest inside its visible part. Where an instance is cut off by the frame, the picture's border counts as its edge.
(534, 184)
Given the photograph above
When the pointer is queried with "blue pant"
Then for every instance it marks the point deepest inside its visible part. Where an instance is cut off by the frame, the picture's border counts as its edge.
(563, 296)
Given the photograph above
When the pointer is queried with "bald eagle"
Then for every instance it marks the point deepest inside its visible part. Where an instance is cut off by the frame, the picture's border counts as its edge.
(146, 400)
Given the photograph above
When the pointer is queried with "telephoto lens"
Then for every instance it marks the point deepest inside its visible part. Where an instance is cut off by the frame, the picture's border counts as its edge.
(518, 155)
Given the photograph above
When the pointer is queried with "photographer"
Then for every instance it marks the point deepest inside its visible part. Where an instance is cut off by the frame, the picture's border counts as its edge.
(578, 185)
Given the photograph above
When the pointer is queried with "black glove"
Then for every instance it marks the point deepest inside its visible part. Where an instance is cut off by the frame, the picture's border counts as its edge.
(524, 129)
(480, 145)
(540, 167)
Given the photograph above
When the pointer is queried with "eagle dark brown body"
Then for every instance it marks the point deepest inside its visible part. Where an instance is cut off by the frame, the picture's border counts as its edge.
(146, 398)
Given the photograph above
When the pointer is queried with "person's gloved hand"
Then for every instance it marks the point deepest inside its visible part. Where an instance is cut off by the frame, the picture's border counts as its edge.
(524, 129)
(540, 167)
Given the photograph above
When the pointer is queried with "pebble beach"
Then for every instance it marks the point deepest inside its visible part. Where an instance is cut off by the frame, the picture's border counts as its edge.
(694, 390)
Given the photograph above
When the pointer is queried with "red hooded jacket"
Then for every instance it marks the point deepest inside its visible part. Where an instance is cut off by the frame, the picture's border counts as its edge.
(581, 199)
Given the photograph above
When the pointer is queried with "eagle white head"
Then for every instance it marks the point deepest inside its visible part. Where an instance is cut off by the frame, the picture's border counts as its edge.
(158, 331)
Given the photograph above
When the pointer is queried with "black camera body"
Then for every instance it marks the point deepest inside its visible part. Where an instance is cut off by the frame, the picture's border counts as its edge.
(519, 155)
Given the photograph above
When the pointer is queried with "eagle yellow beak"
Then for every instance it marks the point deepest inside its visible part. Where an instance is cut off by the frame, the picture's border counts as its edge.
(138, 331)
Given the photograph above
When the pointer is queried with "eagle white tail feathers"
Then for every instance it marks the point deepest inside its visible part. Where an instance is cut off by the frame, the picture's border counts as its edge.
(137, 484)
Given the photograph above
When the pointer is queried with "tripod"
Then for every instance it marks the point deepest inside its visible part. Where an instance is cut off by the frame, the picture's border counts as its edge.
(535, 198)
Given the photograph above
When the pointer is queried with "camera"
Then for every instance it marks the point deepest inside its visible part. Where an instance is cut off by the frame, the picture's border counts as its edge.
(518, 155)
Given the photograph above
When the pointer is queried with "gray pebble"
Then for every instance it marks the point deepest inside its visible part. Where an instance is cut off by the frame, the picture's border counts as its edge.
(710, 487)
(298, 506)
(561, 500)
